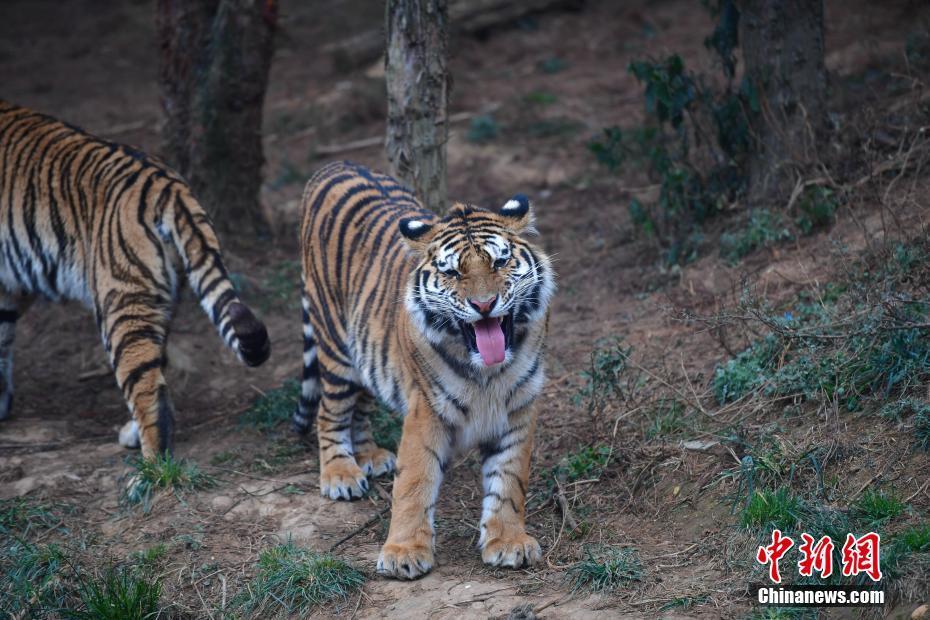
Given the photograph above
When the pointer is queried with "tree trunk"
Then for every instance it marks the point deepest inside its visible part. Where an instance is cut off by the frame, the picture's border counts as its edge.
(417, 91)
(783, 48)
(215, 59)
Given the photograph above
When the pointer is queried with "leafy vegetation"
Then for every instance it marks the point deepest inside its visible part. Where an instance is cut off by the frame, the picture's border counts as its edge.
(482, 129)
(763, 228)
(589, 462)
(273, 407)
(293, 580)
(606, 568)
(668, 419)
(605, 377)
(164, 472)
(386, 427)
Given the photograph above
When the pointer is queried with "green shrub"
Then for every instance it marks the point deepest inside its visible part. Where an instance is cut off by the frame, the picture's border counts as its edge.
(605, 376)
(816, 208)
(762, 229)
(482, 129)
(587, 463)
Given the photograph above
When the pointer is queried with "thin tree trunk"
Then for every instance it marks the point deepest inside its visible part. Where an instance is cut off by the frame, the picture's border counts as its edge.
(417, 90)
(783, 48)
(215, 60)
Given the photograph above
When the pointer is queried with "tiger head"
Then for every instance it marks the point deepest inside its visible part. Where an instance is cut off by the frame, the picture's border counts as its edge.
(478, 277)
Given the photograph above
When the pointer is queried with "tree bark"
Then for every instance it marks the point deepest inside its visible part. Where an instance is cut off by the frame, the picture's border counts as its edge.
(215, 60)
(783, 48)
(417, 92)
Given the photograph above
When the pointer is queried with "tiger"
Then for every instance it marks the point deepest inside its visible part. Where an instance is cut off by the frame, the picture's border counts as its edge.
(103, 224)
(441, 319)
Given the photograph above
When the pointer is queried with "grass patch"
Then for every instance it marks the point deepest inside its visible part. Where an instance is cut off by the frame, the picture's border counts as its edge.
(605, 379)
(294, 580)
(482, 129)
(273, 407)
(668, 420)
(20, 517)
(33, 582)
(606, 568)
(772, 509)
(763, 228)
(877, 507)
(282, 286)
(118, 594)
(278, 455)
(164, 472)
(915, 539)
(149, 558)
(587, 463)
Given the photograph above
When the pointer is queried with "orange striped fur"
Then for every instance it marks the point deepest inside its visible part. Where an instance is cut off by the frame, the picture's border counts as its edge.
(88, 220)
(394, 298)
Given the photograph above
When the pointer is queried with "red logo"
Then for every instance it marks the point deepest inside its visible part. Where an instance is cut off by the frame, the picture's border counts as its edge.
(773, 553)
(817, 557)
(861, 555)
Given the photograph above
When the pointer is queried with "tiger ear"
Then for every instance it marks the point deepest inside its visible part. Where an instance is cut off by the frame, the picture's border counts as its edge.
(416, 233)
(518, 215)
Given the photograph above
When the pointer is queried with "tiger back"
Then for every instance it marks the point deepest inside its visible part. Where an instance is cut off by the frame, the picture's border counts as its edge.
(103, 224)
(441, 319)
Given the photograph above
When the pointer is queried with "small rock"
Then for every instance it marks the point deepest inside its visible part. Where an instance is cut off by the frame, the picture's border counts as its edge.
(920, 612)
(221, 502)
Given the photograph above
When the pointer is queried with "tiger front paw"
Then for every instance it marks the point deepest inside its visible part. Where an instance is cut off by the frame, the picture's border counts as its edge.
(514, 551)
(343, 479)
(376, 461)
(406, 560)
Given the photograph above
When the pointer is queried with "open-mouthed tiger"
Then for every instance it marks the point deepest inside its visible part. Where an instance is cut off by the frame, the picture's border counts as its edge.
(101, 223)
(442, 319)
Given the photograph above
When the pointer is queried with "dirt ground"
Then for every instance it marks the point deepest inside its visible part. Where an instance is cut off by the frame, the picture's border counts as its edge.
(94, 64)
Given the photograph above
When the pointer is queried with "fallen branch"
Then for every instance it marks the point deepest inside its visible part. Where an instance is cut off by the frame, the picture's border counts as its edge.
(364, 526)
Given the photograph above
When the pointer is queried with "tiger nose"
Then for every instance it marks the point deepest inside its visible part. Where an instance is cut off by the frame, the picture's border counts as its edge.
(483, 306)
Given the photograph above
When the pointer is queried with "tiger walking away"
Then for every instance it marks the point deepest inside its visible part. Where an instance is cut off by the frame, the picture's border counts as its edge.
(103, 224)
(443, 319)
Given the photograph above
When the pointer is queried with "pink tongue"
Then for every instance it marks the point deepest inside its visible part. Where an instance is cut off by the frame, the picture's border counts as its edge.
(490, 339)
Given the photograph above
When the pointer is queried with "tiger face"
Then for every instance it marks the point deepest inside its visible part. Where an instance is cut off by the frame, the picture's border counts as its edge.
(478, 277)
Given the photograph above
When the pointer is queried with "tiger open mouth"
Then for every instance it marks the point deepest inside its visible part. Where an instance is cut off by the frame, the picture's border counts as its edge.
(490, 337)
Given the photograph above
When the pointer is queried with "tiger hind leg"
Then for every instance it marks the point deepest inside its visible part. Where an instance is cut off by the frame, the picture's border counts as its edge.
(374, 460)
(134, 328)
(11, 308)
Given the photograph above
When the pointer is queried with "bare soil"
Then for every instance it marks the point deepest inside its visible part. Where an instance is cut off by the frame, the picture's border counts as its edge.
(94, 64)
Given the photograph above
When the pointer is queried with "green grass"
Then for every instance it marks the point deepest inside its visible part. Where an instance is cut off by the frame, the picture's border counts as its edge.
(293, 580)
(668, 420)
(915, 539)
(606, 568)
(772, 509)
(149, 558)
(163, 473)
(277, 455)
(877, 507)
(20, 517)
(589, 462)
(32, 582)
(118, 594)
(273, 407)
(684, 602)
